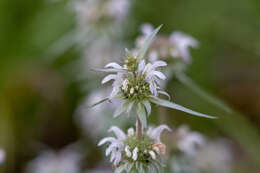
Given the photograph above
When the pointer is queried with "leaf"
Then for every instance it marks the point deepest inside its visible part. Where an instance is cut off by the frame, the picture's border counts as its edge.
(99, 102)
(121, 168)
(147, 106)
(172, 105)
(147, 43)
(129, 167)
(140, 110)
(193, 86)
(109, 70)
(122, 108)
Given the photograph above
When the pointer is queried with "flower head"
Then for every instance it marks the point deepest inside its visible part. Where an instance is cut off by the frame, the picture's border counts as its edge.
(137, 84)
(100, 12)
(183, 42)
(129, 149)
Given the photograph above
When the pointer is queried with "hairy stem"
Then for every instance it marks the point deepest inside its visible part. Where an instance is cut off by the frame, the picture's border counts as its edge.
(139, 129)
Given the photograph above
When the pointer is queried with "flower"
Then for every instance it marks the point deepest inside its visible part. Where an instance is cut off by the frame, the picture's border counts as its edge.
(116, 144)
(189, 142)
(2, 156)
(128, 148)
(96, 12)
(66, 161)
(182, 42)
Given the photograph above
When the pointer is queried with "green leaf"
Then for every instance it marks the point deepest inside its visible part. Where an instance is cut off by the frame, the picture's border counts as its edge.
(99, 102)
(140, 110)
(109, 70)
(129, 167)
(121, 168)
(147, 43)
(122, 108)
(147, 106)
(172, 105)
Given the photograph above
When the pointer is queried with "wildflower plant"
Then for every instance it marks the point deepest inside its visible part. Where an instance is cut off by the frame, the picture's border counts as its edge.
(136, 83)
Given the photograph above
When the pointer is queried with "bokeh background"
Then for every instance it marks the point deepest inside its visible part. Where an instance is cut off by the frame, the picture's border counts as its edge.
(40, 91)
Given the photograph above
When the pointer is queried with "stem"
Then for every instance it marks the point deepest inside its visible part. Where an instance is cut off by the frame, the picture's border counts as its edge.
(139, 129)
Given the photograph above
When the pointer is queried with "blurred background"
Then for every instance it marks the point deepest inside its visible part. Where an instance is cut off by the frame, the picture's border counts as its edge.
(47, 50)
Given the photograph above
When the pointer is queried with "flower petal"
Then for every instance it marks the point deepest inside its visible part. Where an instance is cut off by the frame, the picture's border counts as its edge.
(156, 133)
(118, 132)
(159, 75)
(141, 66)
(108, 78)
(113, 65)
(159, 64)
(105, 140)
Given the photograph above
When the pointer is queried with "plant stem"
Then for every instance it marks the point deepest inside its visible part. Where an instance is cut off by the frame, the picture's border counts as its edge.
(139, 129)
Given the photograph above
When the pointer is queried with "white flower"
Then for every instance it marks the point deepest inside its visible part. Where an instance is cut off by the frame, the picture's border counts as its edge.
(155, 133)
(152, 154)
(135, 154)
(66, 161)
(2, 156)
(118, 9)
(93, 11)
(152, 76)
(116, 146)
(190, 142)
(127, 151)
(130, 132)
(215, 157)
(182, 42)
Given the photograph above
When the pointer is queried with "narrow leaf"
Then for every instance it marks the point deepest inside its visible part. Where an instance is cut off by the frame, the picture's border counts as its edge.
(109, 70)
(172, 105)
(99, 102)
(147, 43)
(140, 110)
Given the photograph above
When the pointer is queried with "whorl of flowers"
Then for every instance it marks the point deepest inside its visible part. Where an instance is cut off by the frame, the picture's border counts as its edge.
(127, 152)
(100, 12)
(137, 84)
(175, 46)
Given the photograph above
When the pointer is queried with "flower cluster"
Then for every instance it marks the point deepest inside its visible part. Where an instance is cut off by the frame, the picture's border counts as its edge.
(127, 149)
(100, 12)
(175, 46)
(136, 83)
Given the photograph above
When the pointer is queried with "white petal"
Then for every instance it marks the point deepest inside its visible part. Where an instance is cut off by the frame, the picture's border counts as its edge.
(135, 155)
(118, 156)
(159, 75)
(108, 78)
(141, 66)
(156, 133)
(105, 140)
(118, 132)
(113, 65)
(127, 151)
(159, 64)
(152, 154)
(165, 93)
